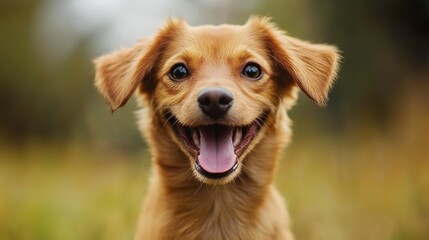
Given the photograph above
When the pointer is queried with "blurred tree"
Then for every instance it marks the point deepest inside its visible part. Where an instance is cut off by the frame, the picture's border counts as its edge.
(384, 43)
(37, 101)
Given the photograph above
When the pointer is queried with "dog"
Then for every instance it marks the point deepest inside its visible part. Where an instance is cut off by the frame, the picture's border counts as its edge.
(213, 106)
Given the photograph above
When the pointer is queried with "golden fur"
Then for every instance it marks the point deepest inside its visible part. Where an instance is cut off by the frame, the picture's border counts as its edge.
(181, 203)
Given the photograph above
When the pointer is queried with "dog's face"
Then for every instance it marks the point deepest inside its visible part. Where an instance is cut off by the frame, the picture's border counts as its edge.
(217, 88)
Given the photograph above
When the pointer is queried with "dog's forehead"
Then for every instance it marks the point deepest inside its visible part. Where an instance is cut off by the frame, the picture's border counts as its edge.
(221, 34)
(216, 41)
(223, 30)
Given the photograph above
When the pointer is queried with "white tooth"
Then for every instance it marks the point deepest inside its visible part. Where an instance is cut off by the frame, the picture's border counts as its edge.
(237, 136)
(196, 137)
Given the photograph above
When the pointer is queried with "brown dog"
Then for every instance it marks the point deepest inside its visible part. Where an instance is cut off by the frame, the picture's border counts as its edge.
(213, 109)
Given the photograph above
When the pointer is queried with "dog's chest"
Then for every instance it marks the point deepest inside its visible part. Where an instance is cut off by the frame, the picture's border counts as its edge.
(214, 215)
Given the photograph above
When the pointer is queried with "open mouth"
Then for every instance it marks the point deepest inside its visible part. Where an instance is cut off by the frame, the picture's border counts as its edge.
(216, 147)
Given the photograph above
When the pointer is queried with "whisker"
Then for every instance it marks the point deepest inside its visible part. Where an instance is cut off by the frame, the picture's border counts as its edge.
(207, 187)
(242, 180)
(175, 122)
(190, 175)
(168, 119)
(198, 188)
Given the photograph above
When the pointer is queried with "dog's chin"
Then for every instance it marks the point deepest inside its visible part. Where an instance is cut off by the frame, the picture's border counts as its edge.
(216, 150)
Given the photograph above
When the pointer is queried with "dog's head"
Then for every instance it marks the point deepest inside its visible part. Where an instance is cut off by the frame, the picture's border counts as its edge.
(217, 88)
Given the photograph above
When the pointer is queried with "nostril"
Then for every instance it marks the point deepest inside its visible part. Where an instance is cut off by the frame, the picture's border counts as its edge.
(204, 100)
(225, 100)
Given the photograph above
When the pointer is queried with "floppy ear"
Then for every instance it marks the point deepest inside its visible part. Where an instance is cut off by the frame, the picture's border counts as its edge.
(118, 74)
(313, 67)
(114, 75)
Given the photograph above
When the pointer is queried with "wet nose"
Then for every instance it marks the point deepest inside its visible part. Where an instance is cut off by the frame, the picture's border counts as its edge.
(215, 101)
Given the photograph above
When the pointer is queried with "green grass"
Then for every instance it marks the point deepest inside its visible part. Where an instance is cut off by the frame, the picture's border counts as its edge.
(68, 193)
(362, 185)
(357, 197)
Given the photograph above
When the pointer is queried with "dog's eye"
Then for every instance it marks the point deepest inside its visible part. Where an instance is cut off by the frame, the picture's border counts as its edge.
(178, 72)
(252, 71)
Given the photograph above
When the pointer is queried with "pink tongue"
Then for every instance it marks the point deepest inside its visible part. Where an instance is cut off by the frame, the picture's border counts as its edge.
(216, 149)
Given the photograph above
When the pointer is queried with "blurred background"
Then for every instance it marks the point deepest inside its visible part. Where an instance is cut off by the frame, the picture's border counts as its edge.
(356, 169)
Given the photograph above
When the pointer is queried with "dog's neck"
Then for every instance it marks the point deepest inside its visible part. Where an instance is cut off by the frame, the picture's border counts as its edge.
(216, 209)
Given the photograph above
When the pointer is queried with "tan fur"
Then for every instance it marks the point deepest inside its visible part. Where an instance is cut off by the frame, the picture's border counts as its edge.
(181, 204)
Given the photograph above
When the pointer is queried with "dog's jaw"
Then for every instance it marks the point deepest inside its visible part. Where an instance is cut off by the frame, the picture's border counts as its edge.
(216, 151)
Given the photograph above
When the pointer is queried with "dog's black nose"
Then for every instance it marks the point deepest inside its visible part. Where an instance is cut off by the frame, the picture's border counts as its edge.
(215, 101)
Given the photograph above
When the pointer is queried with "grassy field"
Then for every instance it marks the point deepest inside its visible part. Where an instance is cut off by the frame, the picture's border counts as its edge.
(363, 185)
